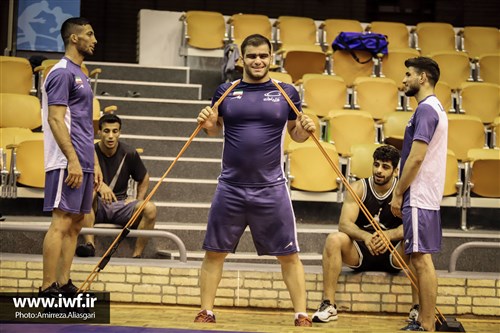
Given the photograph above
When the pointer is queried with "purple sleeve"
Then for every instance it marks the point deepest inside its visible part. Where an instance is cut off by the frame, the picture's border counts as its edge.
(425, 123)
(294, 96)
(58, 86)
(218, 93)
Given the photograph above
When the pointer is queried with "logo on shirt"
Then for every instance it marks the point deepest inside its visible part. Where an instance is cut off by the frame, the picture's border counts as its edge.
(237, 94)
(272, 96)
(78, 80)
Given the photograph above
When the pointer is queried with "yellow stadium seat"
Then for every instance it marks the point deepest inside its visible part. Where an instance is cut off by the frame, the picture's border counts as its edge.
(349, 69)
(477, 41)
(464, 133)
(394, 126)
(397, 33)
(330, 29)
(20, 111)
(322, 93)
(484, 172)
(435, 37)
(376, 95)
(283, 77)
(489, 68)
(480, 99)
(455, 67)
(244, 25)
(16, 76)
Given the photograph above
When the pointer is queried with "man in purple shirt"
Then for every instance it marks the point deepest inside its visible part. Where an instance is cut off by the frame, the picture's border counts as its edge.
(72, 172)
(418, 195)
(252, 187)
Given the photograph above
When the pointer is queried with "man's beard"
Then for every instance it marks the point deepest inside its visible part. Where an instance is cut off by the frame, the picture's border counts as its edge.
(412, 91)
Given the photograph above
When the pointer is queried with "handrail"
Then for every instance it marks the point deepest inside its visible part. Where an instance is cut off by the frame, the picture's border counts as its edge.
(108, 232)
(461, 248)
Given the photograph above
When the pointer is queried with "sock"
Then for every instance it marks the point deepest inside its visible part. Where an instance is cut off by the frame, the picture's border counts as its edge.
(300, 313)
(209, 312)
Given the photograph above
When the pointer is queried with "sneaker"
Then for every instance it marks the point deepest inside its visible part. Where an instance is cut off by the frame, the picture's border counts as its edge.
(303, 321)
(52, 291)
(69, 288)
(413, 316)
(204, 317)
(85, 250)
(413, 326)
(326, 312)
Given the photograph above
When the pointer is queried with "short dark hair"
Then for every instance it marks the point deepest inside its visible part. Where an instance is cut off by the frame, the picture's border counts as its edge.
(69, 27)
(387, 153)
(255, 40)
(427, 65)
(109, 118)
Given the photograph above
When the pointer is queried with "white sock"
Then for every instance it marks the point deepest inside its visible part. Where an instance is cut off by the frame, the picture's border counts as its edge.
(209, 312)
(300, 313)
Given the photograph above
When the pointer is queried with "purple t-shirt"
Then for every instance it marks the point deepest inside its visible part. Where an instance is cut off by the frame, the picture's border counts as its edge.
(255, 118)
(67, 85)
(428, 124)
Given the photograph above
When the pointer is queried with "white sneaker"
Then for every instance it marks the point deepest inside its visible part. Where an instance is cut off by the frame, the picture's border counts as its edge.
(326, 312)
(413, 316)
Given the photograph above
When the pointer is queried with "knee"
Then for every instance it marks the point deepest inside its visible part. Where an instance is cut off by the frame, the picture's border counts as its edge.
(333, 243)
(215, 256)
(290, 259)
(150, 212)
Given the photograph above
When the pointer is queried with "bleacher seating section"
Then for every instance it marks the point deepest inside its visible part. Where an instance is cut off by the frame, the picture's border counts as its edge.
(332, 84)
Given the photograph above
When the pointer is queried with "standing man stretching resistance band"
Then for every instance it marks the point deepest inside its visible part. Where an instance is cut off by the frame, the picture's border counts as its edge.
(417, 197)
(252, 185)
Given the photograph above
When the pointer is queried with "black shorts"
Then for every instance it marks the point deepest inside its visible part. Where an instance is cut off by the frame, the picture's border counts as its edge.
(368, 262)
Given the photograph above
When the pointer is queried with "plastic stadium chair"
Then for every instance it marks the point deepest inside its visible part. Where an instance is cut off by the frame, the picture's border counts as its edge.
(489, 68)
(397, 33)
(309, 169)
(376, 95)
(29, 163)
(243, 25)
(315, 118)
(20, 111)
(299, 51)
(349, 127)
(322, 93)
(434, 37)
(480, 99)
(16, 76)
(394, 126)
(393, 64)
(477, 41)
(484, 178)
(283, 77)
(464, 133)
(349, 69)
(330, 28)
(360, 163)
(455, 67)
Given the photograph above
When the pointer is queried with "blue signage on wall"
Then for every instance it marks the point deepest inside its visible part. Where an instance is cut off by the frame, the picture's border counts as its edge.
(39, 23)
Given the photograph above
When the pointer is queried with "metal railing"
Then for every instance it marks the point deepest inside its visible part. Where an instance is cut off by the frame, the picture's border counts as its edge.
(107, 232)
(461, 248)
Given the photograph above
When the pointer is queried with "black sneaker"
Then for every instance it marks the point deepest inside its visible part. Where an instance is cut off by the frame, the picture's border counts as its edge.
(52, 291)
(69, 288)
(85, 250)
(413, 315)
(413, 326)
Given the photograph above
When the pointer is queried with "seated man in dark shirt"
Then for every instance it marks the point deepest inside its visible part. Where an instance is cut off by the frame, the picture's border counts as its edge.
(119, 162)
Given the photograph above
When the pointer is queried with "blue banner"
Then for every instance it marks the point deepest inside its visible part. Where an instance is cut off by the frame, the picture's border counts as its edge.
(39, 23)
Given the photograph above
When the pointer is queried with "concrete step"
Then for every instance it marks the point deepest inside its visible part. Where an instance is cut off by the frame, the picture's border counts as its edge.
(135, 72)
(201, 146)
(185, 190)
(184, 168)
(120, 88)
(157, 126)
(154, 107)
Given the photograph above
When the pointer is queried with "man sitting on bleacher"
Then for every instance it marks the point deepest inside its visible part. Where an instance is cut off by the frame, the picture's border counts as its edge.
(357, 244)
(118, 163)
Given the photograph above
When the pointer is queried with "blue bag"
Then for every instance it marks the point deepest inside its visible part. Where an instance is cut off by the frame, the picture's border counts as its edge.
(352, 41)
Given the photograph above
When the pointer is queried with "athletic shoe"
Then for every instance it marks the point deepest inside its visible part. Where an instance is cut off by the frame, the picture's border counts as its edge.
(303, 321)
(52, 291)
(204, 317)
(85, 250)
(326, 312)
(413, 326)
(69, 288)
(413, 316)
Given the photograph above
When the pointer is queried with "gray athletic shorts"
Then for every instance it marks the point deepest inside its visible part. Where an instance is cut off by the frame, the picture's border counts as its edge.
(116, 212)
(266, 210)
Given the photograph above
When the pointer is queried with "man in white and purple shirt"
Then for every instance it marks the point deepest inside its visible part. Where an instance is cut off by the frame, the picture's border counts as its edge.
(420, 189)
(72, 173)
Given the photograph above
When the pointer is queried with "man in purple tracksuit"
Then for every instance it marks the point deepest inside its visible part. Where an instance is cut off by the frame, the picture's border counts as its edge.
(420, 189)
(72, 173)
(252, 185)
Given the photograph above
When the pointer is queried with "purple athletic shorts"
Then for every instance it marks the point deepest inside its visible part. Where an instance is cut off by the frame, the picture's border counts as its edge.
(422, 230)
(266, 210)
(71, 200)
(116, 212)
